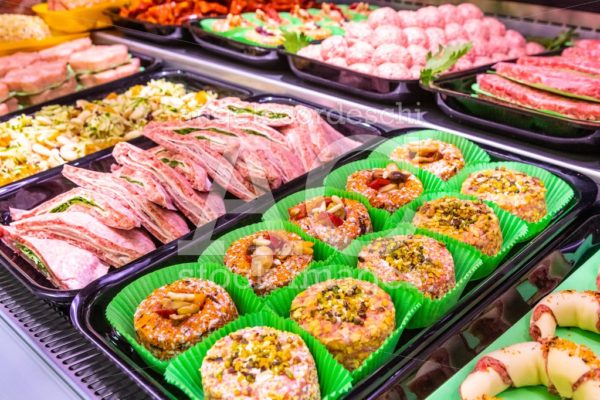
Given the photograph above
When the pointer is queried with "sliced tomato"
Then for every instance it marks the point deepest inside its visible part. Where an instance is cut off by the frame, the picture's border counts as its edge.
(379, 183)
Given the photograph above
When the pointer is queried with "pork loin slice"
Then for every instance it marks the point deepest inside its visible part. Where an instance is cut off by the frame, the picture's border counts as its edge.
(185, 165)
(109, 211)
(63, 51)
(152, 187)
(271, 114)
(99, 58)
(36, 77)
(113, 246)
(163, 224)
(193, 205)
(17, 61)
(66, 266)
(89, 80)
(66, 88)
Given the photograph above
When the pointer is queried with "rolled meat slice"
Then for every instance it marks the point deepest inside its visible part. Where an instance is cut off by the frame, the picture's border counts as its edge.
(163, 224)
(271, 114)
(565, 308)
(153, 189)
(112, 246)
(563, 63)
(108, 211)
(66, 266)
(193, 205)
(193, 172)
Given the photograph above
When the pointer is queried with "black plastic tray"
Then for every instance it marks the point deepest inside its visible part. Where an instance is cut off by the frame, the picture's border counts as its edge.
(157, 33)
(266, 57)
(454, 97)
(88, 308)
(46, 185)
(150, 64)
(474, 328)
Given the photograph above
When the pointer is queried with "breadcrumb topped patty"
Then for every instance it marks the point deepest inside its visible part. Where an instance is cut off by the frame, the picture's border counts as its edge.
(440, 158)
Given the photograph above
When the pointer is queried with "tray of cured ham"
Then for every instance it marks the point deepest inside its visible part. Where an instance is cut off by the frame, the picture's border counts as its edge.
(550, 100)
(124, 207)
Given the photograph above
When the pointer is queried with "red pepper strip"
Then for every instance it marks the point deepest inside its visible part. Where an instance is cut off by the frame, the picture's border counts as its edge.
(379, 183)
(165, 312)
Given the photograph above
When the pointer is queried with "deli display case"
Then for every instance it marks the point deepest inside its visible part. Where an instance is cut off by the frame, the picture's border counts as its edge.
(279, 148)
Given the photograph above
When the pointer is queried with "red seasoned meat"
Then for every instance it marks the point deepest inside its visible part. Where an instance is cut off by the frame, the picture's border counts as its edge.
(515, 93)
(99, 58)
(568, 64)
(563, 81)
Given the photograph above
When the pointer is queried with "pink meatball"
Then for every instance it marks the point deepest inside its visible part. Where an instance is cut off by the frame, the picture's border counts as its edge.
(476, 29)
(455, 31)
(495, 27)
(469, 11)
(482, 61)
(387, 34)
(383, 16)
(361, 52)
(462, 64)
(514, 38)
(534, 48)
(498, 44)
(392, 71)
(416, 36)
(333, 46)
(391, 53)
(429, 16)
(357, 31)
(436, 38)
(450, 14)
(499, 56)
(418, 54)
(338, 61)
(480, 47)
(312, 51)
(407, 18)
(516, 52)
(364, 68)
(415, 71)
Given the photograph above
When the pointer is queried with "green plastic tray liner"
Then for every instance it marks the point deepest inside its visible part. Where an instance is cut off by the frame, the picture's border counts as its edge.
(184, 371)
(120, 311)
(583, 279)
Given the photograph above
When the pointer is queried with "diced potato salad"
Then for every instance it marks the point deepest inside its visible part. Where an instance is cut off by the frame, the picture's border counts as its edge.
(58, 134)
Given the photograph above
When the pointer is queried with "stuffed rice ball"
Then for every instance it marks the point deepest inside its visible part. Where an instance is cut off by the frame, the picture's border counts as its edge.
(419, 260)
(333, 220)
(440, 158)
(178, 315)
(514, 191)
(269, 259)
(260, 363)
(352, 318)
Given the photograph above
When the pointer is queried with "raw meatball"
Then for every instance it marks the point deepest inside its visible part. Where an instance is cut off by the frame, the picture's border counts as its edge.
(462, 64)
(450, 14)
(415, 71)
(383, 16)
(387, 34)
(476, 29)
(480, 47)
(391, 53)
(429, 16)
(333, 46)
(499, 56)
(514, 39)
(482, 61)
(407, 18)
(416, 36)
(418, 54)
(436, 38)
(392, 71)
(455, 31)
(362, 68)
(361, 52)
(534, 48)
(313, 51)
(516, 52)
(469, 11)
(338, 61)
(357, 31)
(495, 27)
(498, 44)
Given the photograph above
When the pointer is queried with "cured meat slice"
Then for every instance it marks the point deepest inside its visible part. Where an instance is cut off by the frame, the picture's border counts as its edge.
(193, 172)
(577, 52)
(112, 246)
(152, 187)
(108, 211)
(511, 92)
(271, 114)
(552, 79)
(66, 266)
(163, 224)
(593, 44)
(558, 62)
(193, 205)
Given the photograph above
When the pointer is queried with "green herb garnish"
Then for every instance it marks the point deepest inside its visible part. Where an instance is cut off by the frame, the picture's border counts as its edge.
(554, 43)
(172, 163)
(218, 130)
(30, 254)
(185, 131)
(294, 41)
(131, 180)
(260, 113)
(442, 61)
(256, 133)
(75, 200)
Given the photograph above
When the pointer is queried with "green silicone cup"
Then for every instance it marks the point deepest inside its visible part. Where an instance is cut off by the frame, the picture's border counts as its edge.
(406, 300)
(184, 371)
(279, 211)
(513, 229)
(558, 192)
(215, 252)
(120, 311)
(466, 264)
(472, 153)
(338, 177)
